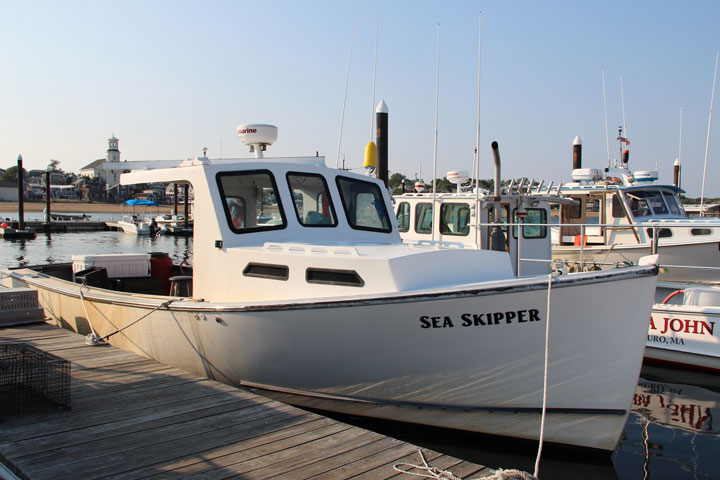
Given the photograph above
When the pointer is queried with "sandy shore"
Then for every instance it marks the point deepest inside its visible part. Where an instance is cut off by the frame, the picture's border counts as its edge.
(77, 207)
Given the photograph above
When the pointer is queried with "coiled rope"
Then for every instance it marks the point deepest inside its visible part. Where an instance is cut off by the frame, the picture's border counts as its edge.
(426, 471)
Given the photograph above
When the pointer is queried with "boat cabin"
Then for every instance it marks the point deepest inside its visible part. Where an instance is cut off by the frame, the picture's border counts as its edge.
(618, 197)
(454, 223)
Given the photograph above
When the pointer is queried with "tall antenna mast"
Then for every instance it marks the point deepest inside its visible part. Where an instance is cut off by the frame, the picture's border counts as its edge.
(437, 92)
(622, 101)
(347, 80)
(476, 167)
(372, 105)
(680, 150)
(607, 137)
(707, 142)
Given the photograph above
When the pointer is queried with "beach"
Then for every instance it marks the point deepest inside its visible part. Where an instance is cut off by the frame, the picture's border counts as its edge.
(78, 207)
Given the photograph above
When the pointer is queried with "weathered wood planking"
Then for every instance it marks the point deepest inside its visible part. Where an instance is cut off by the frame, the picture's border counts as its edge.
(134, 418)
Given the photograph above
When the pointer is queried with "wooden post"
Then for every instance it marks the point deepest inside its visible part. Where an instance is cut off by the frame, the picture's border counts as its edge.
(21, 194)
(48, 219)
(185, 188)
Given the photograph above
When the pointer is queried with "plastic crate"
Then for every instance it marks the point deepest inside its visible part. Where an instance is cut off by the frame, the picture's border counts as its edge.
(20, 305)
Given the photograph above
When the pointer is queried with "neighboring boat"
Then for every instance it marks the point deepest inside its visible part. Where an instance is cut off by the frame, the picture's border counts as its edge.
(66, 216)
(138, 223)
(173, 224)
(303, 289)
(621, 213)
(685, 326)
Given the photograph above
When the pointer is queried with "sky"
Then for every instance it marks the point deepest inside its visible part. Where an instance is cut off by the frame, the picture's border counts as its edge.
(171, 77)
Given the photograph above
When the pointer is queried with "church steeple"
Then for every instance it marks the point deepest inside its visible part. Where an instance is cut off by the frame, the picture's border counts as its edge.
(113, 154)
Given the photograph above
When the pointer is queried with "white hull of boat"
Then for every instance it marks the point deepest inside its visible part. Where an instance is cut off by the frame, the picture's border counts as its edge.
(438, 357)
(685, 334)
(687, 255)
(134, 228)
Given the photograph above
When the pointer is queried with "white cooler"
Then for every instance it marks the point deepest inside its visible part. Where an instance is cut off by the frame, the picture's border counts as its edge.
(118, 265)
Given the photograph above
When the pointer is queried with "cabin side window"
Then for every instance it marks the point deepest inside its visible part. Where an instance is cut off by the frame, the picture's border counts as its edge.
(638, 205)
(454, 219)
(534, 216)
(423, 217)
(311, 200)
(250, 201)
(403, 216)
(364, 205)
(617, 208)
(673, 204)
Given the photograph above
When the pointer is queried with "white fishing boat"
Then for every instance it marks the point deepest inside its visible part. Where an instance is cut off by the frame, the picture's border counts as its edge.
(138, 223)
(620, 214)
(685, 326)
(303, 289)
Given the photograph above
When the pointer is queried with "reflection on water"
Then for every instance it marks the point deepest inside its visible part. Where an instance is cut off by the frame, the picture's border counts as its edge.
(60, 247)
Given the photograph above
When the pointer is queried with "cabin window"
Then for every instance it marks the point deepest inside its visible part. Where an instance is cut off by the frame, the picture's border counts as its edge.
(312, 203)
(644, 203)
(327, 276)
(423, 217)
(364, 205)
(250, 201)
(403, 216)
(673, 204)
(534, 216)
(454, 219)
(662, 232)
(700, 231)
(617, 208)
(264, 270)
(573, 211)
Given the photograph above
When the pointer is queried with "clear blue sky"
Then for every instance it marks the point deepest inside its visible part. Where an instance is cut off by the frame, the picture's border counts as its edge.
(170, 77)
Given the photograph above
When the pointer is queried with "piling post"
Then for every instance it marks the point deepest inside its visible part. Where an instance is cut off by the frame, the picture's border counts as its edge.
(21, 194)
(48, 218)
(381, 139)
(185, 188)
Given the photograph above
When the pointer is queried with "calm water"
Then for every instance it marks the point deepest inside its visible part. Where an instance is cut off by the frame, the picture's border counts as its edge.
(673, 432)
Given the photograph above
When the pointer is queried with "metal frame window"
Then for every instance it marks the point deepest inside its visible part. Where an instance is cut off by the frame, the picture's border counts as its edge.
(251, 201)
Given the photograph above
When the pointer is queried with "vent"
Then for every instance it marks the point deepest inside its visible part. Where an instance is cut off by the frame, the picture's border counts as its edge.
(263, 270)
(326, 276)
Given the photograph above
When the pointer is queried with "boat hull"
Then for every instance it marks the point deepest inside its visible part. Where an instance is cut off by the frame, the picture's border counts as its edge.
(469, 358)
(683, 259)
(686, 335)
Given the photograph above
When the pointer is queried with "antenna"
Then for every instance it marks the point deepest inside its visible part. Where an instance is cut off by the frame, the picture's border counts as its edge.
(680, 150)
(607, 138)
(347, 80)
(437, 91)
(622, 100)
(372, 105)
(476, 167)
(707, 143)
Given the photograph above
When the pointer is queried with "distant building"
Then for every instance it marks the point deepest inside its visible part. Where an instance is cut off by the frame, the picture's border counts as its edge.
(8, 192)
(109, 177)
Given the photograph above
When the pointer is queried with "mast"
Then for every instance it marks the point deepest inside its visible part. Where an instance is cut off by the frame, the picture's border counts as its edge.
(437, 92)
(707, 142)
(347, 80)
(476, 167)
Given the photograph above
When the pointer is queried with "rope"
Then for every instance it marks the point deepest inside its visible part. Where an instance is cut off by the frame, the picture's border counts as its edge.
(426, 471)
(162, 305)
(545, 376)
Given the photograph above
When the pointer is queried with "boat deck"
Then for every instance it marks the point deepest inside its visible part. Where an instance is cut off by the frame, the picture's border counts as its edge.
(132, 417)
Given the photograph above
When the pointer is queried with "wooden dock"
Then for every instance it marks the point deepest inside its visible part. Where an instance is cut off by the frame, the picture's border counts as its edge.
(132, 417)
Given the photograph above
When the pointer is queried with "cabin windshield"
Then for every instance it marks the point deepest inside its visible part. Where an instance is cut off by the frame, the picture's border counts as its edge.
(313, 205)
(644, 203)
(251, 201)
(363, 204)
(674, 203)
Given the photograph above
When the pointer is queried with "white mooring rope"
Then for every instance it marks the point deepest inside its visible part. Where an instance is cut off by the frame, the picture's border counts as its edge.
(426, 471)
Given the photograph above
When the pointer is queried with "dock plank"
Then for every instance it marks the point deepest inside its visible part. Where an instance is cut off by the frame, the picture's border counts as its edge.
(134, 418)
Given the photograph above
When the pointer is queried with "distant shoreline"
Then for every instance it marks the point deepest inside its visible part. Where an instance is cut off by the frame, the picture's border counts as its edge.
(79, 207)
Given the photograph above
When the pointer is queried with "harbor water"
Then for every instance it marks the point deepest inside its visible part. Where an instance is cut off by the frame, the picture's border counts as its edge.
(672, 433)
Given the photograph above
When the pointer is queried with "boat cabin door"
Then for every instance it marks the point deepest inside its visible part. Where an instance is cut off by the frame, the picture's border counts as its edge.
(589, 211)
